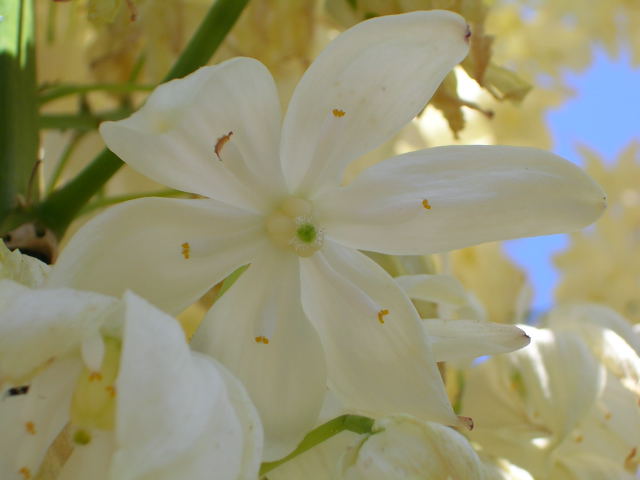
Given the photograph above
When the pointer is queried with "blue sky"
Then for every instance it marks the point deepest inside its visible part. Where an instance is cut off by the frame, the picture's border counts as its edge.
(604, 115)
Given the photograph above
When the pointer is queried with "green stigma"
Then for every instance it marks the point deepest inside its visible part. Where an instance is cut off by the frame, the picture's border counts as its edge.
(82, 437)
(307, 232)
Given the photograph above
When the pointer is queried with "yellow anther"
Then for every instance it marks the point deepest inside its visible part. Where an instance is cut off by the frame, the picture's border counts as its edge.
(95, 377)
(426, 204)
(262, 339)
(629, 462)
(381, 314)
(25, 472)
(186, 250)
(30, 427)
(221, 142)
(111, 390)
(579, 438)
(337, 112)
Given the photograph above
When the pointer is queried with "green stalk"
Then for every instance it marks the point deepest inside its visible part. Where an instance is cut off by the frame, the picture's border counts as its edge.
(353, 423)
(63, 205)
(54, 93)
(18, 102)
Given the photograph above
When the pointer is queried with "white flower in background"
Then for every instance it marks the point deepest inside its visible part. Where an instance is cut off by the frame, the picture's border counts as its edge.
(403, 448)
(311, 310)
(553, 410)
(400, 448)
(117, 380)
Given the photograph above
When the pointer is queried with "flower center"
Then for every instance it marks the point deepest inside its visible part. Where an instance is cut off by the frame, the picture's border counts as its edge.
(292, 226)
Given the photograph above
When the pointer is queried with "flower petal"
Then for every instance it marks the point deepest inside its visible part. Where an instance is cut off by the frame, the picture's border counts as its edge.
(466, 339)
(365, 86)
(285, 377)
(434, 288)
(30, 423)
(445, 198)
(39, 325)
(173, 138)
(378, 359)
(165, 250)
(404, 448)
(183, 423)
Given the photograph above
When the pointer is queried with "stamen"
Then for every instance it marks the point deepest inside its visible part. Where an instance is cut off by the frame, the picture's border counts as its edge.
(95, 377)
(337, 113)
(262, 339)
(30, 427)
(381, 315)
(221, 142)
(186, 250)
(111, 390)
(426, 204)
(25, 472)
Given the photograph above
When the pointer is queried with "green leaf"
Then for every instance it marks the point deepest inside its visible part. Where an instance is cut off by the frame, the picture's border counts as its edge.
(18, 103)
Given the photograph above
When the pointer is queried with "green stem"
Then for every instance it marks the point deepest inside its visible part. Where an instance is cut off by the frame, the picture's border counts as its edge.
(353, 423)
(60, 91)
(62, 206)
(80, 121)
(108, 201)
(64, 160)
(18, 111)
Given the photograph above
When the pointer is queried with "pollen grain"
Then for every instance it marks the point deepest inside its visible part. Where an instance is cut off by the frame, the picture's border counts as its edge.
(95, 377)
(25, 472)
(186, 250)
(426, 204)
(381, 314)
(338, 113)
(262, 339)
(30, 427)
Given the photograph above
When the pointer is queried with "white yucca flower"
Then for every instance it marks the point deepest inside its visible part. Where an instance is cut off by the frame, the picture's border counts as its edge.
(311, 310)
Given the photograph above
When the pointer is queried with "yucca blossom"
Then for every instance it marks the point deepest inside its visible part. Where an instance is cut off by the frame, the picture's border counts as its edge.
(312, 311)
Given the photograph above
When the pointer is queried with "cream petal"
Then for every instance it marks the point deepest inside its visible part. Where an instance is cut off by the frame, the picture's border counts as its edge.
(376, 76)
(561, 377)
(30, 423)
(173, 138)
(140, 246)
(183, 423)
(404, 448)
(434, 288)
(377, 368)
(37, 326)
(445, 198)
(466, 339)
(285, 377)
